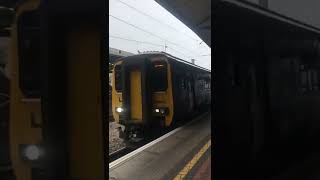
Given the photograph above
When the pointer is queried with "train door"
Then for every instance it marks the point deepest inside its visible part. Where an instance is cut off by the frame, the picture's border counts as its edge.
(132, 77)
(57, 128)
(76, 95)
(136, 97)
(135, 94)
(25, 99)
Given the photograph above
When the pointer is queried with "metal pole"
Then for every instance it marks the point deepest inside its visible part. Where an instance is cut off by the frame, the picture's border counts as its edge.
(165, 47)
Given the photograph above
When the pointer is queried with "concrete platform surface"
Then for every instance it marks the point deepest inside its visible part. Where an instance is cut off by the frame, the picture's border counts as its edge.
(185, 154)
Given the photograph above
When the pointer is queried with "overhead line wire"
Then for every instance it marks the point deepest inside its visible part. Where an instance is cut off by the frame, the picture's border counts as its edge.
(121, 20)
(145, 14)
(144, 42)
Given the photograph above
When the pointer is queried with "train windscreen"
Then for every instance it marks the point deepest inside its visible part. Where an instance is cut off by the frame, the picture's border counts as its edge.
(118, 78)
(29, 56)
(159, 80)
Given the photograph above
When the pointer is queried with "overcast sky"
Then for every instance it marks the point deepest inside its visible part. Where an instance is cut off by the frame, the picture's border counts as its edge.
(144, 25)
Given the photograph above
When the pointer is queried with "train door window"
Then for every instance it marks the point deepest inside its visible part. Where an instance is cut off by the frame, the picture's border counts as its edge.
(118, 78)
(159, 81)
(29, 54)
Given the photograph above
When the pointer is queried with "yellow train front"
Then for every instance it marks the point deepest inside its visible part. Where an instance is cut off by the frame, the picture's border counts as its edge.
(154, 92)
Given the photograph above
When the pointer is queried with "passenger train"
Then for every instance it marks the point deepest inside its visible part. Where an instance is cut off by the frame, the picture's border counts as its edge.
(154, 92)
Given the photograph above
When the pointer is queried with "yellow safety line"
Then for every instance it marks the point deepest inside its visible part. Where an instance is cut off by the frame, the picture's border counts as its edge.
(193, 161)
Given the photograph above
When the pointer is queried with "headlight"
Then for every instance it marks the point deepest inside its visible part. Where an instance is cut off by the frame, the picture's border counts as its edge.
(119, 109)
(32, 154)
(161, 111)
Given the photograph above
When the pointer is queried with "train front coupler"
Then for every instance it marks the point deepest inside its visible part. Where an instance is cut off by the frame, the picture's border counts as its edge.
(133, 133)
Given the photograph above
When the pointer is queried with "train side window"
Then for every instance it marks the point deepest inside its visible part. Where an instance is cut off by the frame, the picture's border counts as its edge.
(29, 54)
(303, 78)
(313, 80)
(207, 85)
(203, 84)
(184, 83)
(118, 78)
(159, 78)
(181, 82)
(308, 79)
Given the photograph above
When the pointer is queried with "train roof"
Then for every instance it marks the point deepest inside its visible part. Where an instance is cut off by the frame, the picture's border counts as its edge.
(248, 17)
(154, 53)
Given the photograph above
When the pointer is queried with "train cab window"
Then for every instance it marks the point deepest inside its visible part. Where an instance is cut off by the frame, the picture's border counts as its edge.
(118, 78)
(159, 80)
(29, 54)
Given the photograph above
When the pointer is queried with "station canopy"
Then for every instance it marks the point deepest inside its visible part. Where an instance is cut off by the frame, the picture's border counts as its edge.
(115, 54)
(196, 14)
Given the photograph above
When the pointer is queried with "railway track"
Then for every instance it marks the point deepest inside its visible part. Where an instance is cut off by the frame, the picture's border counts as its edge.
(119, 153)
(128, 149)
(125, 150)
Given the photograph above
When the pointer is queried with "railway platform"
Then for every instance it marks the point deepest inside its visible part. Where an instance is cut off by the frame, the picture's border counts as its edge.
(184, 153)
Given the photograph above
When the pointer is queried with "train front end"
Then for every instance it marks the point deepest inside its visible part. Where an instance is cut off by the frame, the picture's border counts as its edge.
(142, 96)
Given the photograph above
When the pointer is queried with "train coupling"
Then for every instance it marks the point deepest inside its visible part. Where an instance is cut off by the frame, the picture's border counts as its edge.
(133, 133)
(121, 130)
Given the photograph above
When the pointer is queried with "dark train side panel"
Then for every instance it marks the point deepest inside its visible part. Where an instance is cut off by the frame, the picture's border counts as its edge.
(266, 91)
(190, 94)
